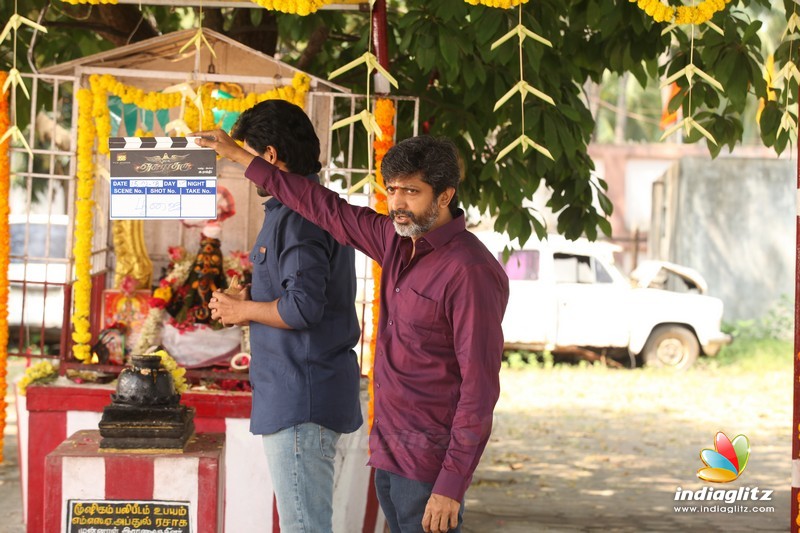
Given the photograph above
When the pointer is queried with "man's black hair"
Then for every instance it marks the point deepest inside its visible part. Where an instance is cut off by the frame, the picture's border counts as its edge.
(285, 126)
(435, 160)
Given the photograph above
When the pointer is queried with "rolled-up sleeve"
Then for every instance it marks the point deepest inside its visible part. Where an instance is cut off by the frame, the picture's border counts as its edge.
(304, 271)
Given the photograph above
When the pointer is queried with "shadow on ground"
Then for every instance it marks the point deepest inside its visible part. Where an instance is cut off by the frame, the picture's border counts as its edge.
(608, 451)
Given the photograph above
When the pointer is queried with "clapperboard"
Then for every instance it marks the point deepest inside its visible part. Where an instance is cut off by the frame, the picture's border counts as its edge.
(162, 177)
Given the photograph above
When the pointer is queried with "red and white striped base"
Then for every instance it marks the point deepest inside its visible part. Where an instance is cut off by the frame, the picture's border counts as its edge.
(50, 413)
(78, 470)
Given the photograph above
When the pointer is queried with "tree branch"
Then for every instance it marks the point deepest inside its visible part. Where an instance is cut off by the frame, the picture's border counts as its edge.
(83, 25)
(119, 24)
(315, 43)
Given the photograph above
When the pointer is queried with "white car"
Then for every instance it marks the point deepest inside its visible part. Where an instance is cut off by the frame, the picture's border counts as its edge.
(568, 295)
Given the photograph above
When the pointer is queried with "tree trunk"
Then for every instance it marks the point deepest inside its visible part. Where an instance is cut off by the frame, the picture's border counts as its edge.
(263, 37)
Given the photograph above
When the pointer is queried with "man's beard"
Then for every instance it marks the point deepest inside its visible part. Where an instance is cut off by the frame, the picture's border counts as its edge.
(415, 226)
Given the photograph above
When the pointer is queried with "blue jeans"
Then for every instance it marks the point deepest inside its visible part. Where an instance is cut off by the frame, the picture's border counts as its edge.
(300, 462)
(403, 502)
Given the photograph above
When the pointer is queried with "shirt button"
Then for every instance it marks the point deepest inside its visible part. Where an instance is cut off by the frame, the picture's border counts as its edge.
(378, 385)
(397, 289)
(391, 322)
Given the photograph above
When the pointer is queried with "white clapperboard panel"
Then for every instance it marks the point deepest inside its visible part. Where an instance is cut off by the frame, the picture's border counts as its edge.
(162, 177)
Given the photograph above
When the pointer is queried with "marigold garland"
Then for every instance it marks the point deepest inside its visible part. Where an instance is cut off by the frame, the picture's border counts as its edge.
(177, 371)
(100, 113)
(92, 2)
(502, 4)
(5, 179)
(384, 114)
(294, 7)
(41, 372)
(699, 14)
(84, 228)
(104, 85)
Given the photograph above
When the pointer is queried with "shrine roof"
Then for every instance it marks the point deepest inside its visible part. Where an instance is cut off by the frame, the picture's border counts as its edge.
(161, 58)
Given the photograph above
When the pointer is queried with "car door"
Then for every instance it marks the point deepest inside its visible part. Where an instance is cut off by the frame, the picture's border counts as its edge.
(530, 316)
(592, 307)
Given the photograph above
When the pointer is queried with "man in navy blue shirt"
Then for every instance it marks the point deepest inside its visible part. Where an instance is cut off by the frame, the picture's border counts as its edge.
(303, 327)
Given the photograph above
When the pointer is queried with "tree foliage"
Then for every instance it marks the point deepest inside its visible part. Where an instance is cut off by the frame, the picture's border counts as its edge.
(441, 52)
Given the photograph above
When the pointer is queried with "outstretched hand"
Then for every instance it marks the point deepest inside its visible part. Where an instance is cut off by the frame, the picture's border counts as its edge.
(221, 142)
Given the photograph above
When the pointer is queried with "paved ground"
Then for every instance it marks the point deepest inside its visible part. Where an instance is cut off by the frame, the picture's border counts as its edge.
(10, 491)
(584, 450)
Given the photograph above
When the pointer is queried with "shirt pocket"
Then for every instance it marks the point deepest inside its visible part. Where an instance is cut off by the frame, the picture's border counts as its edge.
(419, 312)
(261, 276)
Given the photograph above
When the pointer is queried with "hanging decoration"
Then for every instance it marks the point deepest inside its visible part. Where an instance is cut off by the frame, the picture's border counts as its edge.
(84, 229)
(523, 88)
(789, 72)
(366, 117)
(689, 72)
(13, 78)
(105, 86)
(199, 39)
(384, 115)
(5, 181)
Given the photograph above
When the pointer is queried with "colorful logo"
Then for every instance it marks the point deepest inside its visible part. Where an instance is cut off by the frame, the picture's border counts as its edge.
(726, 461)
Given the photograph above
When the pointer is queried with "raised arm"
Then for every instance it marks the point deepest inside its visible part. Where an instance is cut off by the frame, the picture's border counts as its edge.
(360, 227)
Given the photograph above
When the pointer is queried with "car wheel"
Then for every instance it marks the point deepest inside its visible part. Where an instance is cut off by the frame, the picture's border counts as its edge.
(671, 347)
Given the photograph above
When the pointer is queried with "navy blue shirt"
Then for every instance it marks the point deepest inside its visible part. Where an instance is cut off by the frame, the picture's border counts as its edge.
(309, 373)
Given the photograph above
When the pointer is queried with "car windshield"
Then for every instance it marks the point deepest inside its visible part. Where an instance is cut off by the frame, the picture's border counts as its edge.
(38, 238)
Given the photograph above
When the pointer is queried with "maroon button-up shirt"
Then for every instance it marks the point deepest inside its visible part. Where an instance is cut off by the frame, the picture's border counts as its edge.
(440, 340)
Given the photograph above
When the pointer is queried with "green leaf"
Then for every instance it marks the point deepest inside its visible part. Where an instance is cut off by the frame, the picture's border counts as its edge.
(605, 203)
(769, 123)
(449, 50)
(605, 226)
(751, 31)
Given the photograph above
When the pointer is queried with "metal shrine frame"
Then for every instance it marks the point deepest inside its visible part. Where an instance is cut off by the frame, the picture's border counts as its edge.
(40, 284)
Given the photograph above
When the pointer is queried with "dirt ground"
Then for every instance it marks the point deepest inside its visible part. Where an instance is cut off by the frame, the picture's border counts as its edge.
(591, 449)
(581, 450)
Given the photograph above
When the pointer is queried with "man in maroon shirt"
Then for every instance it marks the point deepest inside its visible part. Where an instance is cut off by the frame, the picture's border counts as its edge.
(440, 340)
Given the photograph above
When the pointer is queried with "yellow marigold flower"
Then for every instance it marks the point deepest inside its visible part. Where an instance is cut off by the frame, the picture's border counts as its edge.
(177, 372)
(164, 293)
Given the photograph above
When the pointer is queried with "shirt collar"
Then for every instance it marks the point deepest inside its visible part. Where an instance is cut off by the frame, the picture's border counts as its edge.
(274, 203)
(444, 234)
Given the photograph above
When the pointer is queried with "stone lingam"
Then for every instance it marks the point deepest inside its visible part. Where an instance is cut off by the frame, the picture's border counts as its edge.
(145, 412)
